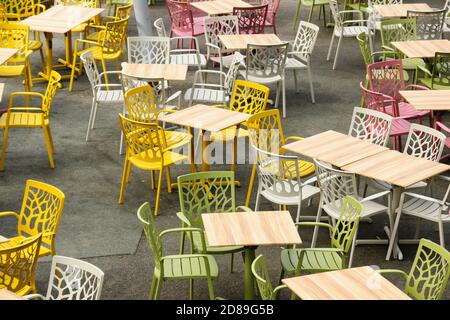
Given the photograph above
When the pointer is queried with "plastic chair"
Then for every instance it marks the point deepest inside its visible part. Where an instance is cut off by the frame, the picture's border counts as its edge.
(428, 276)
(190, 56)
(373, 15)
(443, 128)
(176, 267)
(311, 4)
(429, 24)
(160, 28)
(31, 117)
(446, 7)
(370, 125)
(251, 20)
(150, 50)
(18, 263)
(182, 21)
(147, 150)
(300, 56)
(261, 274)
(3, 16)
(439, 77)
(72, 279)
(272, 9)
(113, 5)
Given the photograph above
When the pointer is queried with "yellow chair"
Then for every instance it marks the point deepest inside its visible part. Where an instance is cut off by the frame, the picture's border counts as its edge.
(146, 150)
(41, 211)
(3, 17)
(17, 265)
(266, 133)
(31, 117)
(107, 47)
(16, 37)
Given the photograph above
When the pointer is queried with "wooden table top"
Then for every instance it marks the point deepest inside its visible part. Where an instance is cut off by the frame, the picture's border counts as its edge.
(422, 48)
(3, 239)
(400, 10)
(240, 41)
(362, 283)
(250, 228)
(218, 7)
(205, 118)
(6, 53)
(155, 71)
(334, 147)
(396, 168)
(8, 295)
(438, 100)
(61, 19)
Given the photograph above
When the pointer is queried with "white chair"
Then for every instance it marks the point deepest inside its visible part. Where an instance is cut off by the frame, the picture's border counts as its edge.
(373, 16)
(265, 65)
(72, 279)
(187, 54)
(110, 94)
(160, 27)
(214, 93)
(345, 28)
(215, 26)
(149, 50)
(279, 181)
(370, 125)
(300, 56)
(334, 186)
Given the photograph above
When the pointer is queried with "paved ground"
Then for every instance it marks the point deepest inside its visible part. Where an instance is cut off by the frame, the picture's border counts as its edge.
(94, 227)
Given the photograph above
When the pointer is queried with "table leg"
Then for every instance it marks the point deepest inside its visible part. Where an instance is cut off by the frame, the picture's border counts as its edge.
(192, 151)
(397, 191)
(249, 281)
(205, 144)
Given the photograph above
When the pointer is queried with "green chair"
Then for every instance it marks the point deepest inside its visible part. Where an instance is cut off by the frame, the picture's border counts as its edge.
(360, 5)
(439, 78)
(176, 267)
(206, 192)
(261, 274)
(299, 260)
(312, 4)
(429, 273)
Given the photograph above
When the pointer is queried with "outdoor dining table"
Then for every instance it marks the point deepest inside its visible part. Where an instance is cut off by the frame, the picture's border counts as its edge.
(219, 7)
(176, 72)
(436, 101)
(240, 41)
(59, 20)
(250, 229)
(362, 283)
(8, 295)
(422, 48)
(6, 53)
(400, 10)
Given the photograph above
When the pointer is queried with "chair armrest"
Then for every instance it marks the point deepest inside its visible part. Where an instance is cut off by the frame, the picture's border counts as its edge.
(279, 288)
(414, 87)
(102, 85)
(376, 196)
(110, 72)
(314, 224)
(425, 69)
(183, 218)
(385, 47)
(34, 296)
(293, 138)
(442, 126)
(208, 44)
(419, 196)
(9, 213)
(309, 181)
(299, 52)
(27, 94)
(354, 21)
(244, 208)
(173, 96)
(189, 229)
(393, 271)
(445, 178)
(94, 43)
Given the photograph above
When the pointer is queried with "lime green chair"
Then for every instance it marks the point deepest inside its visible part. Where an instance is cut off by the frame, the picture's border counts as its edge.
(360, 5)
(261, 274)
(176, 267)
(296, 260)
(206, 192)
(439, 77)
(311, 4)
(429, 273)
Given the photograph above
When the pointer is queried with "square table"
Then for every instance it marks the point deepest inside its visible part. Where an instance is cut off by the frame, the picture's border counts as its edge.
(6, 53)
(250, 229)
(61, 20)
(335, 148)
(362, 283)
(205, 118)
(400, 10)
(8, 295)
(219, 7)
(422, 48)
(240, 41)
(155, 71)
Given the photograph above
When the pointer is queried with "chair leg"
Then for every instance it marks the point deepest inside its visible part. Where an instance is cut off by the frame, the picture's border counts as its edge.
(441, 234)
(297, 14)
(50, 137)
(191, 289)
(311, 11)
(152, 179)
(316, 229)
(211, 289)
(232, 263)
(121, 144)
(5, 143)
(169, 183)
(250, 186)
(295, 80)
(74, 63)
(277, 97)
(124, 181)
(91, 115)
(158, 191)
(152, 288)
(337, 53)
(49, 146)
(283, 93)
(331, 47)
(158, 288)
(104, 70)
(352, 250)
(311, 87)
(258, 196)
(94, 116)
(416, 233)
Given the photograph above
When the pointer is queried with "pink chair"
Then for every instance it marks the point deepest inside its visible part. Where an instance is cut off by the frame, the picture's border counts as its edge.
(252, 20)
(382, 103)
(197, 12)
(272, 9)
(387, 77)
(442, 127)
(182, 21)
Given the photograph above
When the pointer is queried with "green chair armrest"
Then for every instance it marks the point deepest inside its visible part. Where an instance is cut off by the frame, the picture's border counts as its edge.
(189, 229)
(276, 291)
(394, 272)
(9, 213)
(425, 70)
(183, 218)
(244, 208)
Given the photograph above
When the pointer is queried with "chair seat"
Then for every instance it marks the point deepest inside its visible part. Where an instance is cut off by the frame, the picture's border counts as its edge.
(351, 31)
(226, 60)
(169, 158)
(370, 208)
(176, 138)
(412, 63)
(425, 209)
(205, 95)
(293, 63)
(290, 198)
(99, 54)
(110, 96)
(400, 127)
(189, 59)
(427, 82)
(407, 111)
(260, 79)
(313, 261)
(182, 266)
(198, 29)
(12, 71)
(23, 119)
(34, 45)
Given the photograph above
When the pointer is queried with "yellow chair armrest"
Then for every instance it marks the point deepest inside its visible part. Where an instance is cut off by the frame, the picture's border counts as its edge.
(28, 94)
(94, 43)
(9, 213)
(293, 138)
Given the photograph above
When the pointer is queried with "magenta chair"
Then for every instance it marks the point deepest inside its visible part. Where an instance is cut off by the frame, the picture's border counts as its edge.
(442, 127)
(272, 9)
(252, 20)
(387, 77)
(182, 21)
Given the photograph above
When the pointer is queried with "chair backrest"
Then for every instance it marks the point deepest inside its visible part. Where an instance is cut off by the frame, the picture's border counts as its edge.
(220, 25)
(305, 39)
(446, 5)
(205, 192)
(377, 101)
(53, 84)
(231, 75)
(429, 273)
(251, 20)
(338, 20)
(249, 97)
(364, 46)
(272, 8)
(3, 15)
(370, 125)
(262, 277)
(180, 15)
(150, 50)
(145, 216)
(398, 30)
(265, 61)
(441, 69)
(140, 104)
(383, 2)
(90, 66)
(387, 77)
(20, 9)
(123, 12)
(160, 28)
(18, 263)
(129, 83)
(113, 36)
(265, 130)
(41, 212)
(334, 185)
(15, 36)
(429, 24)
(424, 142)
(79, 3)
(74, 279)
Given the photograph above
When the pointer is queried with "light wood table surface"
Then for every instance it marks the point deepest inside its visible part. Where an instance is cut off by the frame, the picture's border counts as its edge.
(362, 283)
(6, 53)
(219, 7)
(60, 20)
(400, 10)
(8, 295)
(3, 239)
(422, 48)
(250, 229)
(240, 41)
(437, 100)
(176, 72)
(2, 88)
(334, 147)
